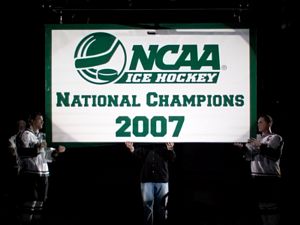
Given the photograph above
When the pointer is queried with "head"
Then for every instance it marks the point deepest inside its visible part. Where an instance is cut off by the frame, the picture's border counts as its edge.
(265, 123)
(36, 121)
(21, 125)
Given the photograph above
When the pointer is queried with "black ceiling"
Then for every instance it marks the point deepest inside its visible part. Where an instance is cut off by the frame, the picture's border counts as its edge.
(239, 12)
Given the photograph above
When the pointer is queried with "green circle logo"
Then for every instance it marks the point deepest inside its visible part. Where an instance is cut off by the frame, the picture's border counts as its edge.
(100, 58)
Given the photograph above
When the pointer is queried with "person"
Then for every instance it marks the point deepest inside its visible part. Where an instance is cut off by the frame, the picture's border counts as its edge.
(264, 153)
(13, 155)
(34, 156)
(11, 164)
(154, 178)
(21, 126)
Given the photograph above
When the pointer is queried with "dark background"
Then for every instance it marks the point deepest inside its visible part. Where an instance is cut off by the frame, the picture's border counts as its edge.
(209, 182)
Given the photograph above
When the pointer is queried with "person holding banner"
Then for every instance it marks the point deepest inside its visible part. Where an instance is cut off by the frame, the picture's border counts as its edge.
(154, 178)
(13, 167)
(34, 156)
(21, 126)
(264, 153)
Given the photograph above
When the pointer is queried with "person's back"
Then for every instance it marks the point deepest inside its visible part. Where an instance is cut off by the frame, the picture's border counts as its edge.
(154, 178)
(155, 158)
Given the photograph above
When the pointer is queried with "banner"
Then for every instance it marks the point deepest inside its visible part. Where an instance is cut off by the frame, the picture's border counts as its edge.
(141, 85)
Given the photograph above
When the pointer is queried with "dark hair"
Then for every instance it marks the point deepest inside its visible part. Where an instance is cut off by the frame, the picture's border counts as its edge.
(32, 116)
(267, 118)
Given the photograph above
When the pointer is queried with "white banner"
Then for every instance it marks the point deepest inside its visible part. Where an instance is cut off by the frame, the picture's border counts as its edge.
(117, 85)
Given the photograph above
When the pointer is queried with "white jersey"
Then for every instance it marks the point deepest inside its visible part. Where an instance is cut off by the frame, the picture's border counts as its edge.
(265, 161)
(32, 159)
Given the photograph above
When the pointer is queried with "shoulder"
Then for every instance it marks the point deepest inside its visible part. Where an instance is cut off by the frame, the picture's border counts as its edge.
(27, 134)
(276, 137)
(13, 138)
(274, 140)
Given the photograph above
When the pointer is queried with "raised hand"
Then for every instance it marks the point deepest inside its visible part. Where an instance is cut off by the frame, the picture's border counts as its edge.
(170, 145)
(129, 145)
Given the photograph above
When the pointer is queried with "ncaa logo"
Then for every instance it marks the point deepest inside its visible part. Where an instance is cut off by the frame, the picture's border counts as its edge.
(100, 58)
